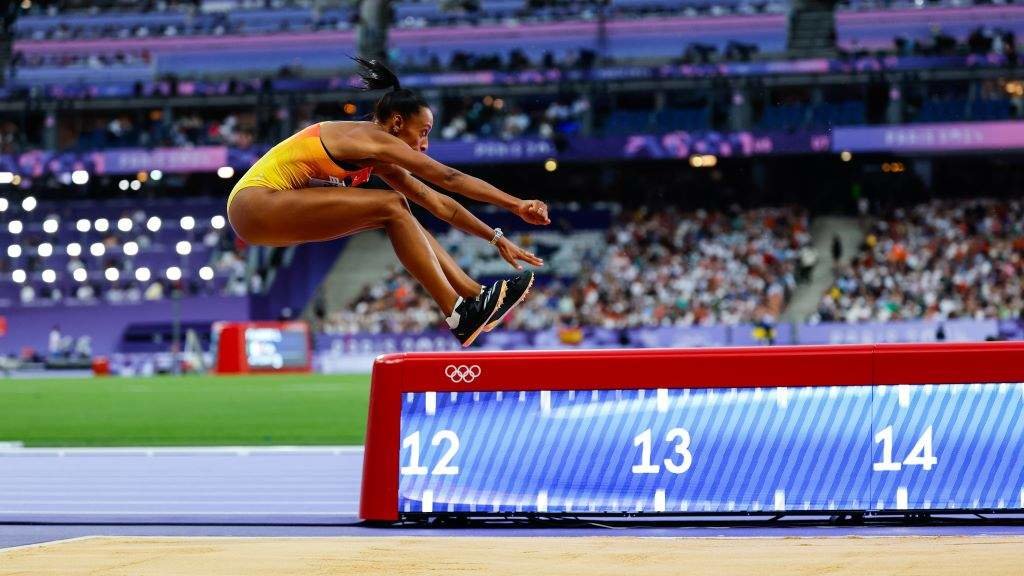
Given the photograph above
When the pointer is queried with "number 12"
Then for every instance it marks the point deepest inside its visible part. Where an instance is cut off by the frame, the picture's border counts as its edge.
(443, 467)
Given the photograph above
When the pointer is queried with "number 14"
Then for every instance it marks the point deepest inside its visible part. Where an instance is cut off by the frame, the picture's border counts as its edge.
(920, 455)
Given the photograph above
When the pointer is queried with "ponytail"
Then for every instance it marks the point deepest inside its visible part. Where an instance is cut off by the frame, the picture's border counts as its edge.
(377, 76)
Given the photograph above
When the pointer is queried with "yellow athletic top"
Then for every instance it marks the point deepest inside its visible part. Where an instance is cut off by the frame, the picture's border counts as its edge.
(300, 161)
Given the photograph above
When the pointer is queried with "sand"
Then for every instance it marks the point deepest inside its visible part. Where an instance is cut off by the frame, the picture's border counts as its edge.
(860, 556)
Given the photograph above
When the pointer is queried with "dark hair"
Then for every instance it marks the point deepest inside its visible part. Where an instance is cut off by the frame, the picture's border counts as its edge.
(377, 76)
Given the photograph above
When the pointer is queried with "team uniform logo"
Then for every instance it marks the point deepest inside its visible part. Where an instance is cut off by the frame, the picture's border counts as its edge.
(330, 181)
(462, 373)
(354, 178)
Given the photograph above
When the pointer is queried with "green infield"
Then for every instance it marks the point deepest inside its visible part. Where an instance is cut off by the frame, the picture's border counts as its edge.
(185, 410)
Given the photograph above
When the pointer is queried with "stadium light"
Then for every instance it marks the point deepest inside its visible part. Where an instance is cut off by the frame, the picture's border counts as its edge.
(49, 276)
(206, 273)
(6, 177)
(15, 227)
(101, 224)
(29, 203)
(130, 248)
(74, 249)
(153, 224)
(80, 177)
(50, 225)
(45, 250)
(135, 185)
(156, 175)
(111, 274)
(80, 275)
(19, 276)
(142, 274)
(183, 248)
(218, 222)
(124, 224)
(97, 249)
(14, 251)
(174, 273)
(83, 225)
(123, 185)
(187, 222)
(4, 204)
(225, 172)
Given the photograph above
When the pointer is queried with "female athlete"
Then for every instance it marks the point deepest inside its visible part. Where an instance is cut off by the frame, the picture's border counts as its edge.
(300, 191)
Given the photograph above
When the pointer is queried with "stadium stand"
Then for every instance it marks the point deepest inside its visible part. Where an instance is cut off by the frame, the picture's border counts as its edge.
(63, 20)
(91, 45)
(505, 118)
(610, 94)
(650, 269)
(939, 260)
(91, 252)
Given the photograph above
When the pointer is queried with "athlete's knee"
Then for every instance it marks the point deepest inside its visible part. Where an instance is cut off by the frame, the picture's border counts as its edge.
(250, 219)
(242, 223)
(249, 233)
(393, 206)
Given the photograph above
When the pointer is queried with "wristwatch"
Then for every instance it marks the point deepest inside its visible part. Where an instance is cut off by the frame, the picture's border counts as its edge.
(498, 235)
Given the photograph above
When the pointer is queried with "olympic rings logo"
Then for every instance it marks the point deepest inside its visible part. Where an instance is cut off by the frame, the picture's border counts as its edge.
(462, 373)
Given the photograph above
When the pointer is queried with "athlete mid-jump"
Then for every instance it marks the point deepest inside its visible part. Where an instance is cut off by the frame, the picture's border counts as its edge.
(303, 190)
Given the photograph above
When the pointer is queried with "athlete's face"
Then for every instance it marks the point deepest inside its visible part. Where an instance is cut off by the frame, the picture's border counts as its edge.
(415, 129)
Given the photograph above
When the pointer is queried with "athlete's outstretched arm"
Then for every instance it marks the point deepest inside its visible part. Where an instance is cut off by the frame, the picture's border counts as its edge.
(447, 209)
(386, 148)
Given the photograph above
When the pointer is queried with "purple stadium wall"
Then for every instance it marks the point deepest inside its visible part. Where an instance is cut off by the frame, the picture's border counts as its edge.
(30, 326)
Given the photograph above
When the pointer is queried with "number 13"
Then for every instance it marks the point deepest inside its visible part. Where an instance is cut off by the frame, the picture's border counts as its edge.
(682, 448)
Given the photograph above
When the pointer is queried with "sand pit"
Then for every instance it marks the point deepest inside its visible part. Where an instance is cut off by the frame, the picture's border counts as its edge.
(840, 556)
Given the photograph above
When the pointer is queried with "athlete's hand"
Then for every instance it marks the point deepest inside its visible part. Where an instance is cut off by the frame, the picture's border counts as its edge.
(514, 254)
(533, 211)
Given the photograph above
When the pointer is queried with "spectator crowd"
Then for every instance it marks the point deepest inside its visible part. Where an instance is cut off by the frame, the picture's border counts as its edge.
(939, 260)
(491, 117)
(248, 16)
(153, 130)
(661, 268)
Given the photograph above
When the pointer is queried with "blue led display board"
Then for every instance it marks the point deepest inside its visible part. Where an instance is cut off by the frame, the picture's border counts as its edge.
(892, 448)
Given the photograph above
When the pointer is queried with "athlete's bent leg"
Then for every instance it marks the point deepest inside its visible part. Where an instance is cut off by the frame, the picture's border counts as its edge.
(457, 277)
(288, 217)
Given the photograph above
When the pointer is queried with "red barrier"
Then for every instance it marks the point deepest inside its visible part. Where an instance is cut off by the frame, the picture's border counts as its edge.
(236, 351)
(796, 366)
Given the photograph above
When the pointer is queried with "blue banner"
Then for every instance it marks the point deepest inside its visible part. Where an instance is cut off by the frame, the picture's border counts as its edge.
(713, 450)
(676, 145)
(939, 137)
(959, 330)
